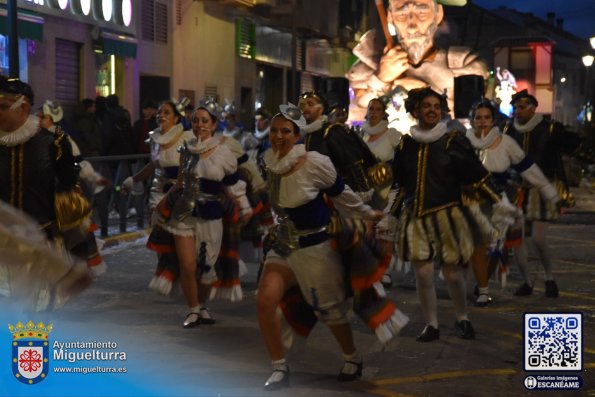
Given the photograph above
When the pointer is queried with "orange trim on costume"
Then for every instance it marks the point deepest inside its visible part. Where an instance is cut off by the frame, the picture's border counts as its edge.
(165, 212)
(383, 315)
(227, 283)
(513, 243)
(92, 228)
(168, 275)
(364, 282)
(256, 210)
(161, 248)
(230, 254)
(298, 328)
(96, 260)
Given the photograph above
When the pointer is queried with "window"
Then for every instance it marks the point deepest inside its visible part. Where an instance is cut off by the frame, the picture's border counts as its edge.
(154, 26)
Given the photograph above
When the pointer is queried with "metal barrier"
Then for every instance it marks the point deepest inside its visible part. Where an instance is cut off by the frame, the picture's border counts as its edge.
(116, 169)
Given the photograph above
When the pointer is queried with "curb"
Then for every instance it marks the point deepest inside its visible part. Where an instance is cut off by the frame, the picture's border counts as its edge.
(125, 237)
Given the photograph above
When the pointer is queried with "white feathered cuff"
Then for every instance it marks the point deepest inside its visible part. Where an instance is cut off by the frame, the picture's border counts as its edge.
(386, 228)
(504, 213)
(89, 175)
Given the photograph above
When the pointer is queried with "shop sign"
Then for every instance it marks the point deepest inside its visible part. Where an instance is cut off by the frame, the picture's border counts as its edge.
(116, 11)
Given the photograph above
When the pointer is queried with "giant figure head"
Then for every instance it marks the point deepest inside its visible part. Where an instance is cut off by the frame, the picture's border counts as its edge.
(416, 22)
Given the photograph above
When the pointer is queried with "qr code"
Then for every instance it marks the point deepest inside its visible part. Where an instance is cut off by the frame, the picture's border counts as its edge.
(553, 342)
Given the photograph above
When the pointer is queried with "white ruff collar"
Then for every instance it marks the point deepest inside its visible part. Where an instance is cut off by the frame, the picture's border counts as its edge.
(428, 136)
(283, 165)
(377, 129)
(164, 139)
(233, 133)
(200, 146)
(315, 125)
(484, 142)
(261, 134)
(529, 125)
(21, 134)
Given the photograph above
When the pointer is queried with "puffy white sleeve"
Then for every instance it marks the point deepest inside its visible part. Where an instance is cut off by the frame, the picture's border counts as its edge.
(322, 172)
(514, 151)
(87, 172)
(233, 186)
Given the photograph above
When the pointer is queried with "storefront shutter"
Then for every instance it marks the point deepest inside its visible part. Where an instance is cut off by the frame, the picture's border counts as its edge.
(67, 70)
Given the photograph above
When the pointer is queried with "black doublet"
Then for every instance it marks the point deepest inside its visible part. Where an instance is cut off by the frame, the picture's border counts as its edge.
(545, 144)
(430, 175)
(31, 173)
(348, 153)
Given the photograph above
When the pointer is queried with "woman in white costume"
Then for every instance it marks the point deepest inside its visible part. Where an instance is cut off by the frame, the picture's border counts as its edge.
(209, 170)
(500, 154)
(163, 167)
(382, 141)
(302, 254)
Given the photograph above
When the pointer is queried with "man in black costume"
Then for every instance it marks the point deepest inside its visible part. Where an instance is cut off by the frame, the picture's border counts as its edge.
(544, 141)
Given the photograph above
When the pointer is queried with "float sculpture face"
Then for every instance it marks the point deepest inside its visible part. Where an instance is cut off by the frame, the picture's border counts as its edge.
(416, 23)
(413, 62)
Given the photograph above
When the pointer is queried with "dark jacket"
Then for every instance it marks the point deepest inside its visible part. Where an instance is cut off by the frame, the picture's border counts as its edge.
(140, 132)
(545, 144)
(349, 154)
(89, 132)
(430, 176)
(32, 172)
(117, 132)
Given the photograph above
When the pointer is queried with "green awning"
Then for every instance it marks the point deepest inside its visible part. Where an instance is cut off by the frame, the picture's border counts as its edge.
(30, 24)
(119, 44)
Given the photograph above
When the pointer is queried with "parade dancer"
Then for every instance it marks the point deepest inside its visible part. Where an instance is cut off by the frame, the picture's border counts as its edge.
(500, 154)
(382, 141)
(163, 167)
(191, 211)
(545, 141)
(302, 253)
(39, 176)
(430, 167)
(50, 117)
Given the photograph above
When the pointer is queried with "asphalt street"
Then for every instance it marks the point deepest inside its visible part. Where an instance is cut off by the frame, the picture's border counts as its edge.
(229, 358)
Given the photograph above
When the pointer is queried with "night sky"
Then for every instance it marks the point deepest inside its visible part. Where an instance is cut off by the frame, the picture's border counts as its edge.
(579, 15)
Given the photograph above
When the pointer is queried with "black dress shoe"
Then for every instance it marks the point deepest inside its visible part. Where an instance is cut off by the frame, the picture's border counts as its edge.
(386, 280)
(205, 316)
(551, 289)
(465, 329)
(524, 290)
(429, 334)
(192, 320)
(483, 300)
(347, 377)
(279, 379)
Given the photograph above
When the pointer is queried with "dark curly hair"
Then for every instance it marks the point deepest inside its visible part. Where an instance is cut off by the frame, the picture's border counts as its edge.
(416, 95)
(484, 103)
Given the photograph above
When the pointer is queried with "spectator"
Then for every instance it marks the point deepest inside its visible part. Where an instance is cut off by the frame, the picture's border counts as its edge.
(144, 125)
(85, 123)
(116, 131)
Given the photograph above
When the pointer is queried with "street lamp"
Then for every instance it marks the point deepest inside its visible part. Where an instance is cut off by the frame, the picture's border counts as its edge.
(592, 41)
(588, 61)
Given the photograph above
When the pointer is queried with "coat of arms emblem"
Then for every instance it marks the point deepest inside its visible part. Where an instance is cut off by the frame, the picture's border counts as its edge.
(30, 351)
